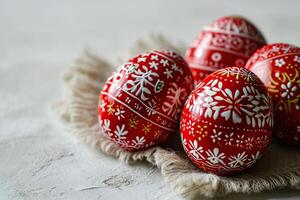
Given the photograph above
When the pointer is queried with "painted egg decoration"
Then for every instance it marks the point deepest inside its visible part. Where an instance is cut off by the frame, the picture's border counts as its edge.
(140, 104)
(228, 41)
(226, 122)
(278, 66)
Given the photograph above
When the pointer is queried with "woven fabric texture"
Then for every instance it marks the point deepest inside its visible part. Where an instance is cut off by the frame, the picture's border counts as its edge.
(278, 168)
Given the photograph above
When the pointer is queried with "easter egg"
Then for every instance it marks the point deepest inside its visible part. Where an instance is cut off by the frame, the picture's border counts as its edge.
(228, 41)
(141, 103)
(226, 122)
(278, 66)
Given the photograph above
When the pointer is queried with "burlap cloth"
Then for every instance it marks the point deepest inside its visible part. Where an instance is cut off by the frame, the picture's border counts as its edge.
(279, 168)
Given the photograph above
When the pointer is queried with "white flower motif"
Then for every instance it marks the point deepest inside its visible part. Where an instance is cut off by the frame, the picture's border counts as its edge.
(129, 68)
(121, 132)
(205, 103)
(106, 125)
(176, 68)
(127, 100)
(102, 106)
(254, 158)
(240, 140)
(249, 143)
(142, 59)
(168, 73)
(275, 49)
(195, 150)
(279, 62)
(164, 62)
(212, 100)
(238, 160)
(214, 156)
(210, 105)
(153, 65)
(142, 77)
(216, 136)
(228, 138)
(119, 113)
(257, 110)
(138, 141)
(190, 127)
(215, 86)
(231, 110)
(154, 57)
(288, 90)
(297, 59)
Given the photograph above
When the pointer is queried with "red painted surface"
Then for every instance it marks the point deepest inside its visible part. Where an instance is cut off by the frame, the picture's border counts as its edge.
(278, 66)
(227, 42)
(141, 103)
(226, 122)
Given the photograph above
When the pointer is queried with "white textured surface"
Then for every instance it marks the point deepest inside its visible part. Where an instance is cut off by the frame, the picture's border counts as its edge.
(39, 40)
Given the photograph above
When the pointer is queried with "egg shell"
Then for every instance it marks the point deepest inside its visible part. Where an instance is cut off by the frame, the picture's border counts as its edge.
(226, 122)
(228, 41)
(140, 104)
(278, 66)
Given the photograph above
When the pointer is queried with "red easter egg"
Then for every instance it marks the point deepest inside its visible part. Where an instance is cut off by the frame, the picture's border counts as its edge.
(140, 104)
(226, 121)
(228, 41)
(278, 66)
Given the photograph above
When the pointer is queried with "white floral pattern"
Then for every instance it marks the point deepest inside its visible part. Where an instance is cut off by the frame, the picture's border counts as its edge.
(254, 158)
(279, 62)
(238, 160)
(106, 125)
(102, 106)
(119, 113)
(129, 102)
(231, 110)
(164, 62)
(168, 73)
(249, 102)
(212, 136)
(240, 140)
(229, 139)
(173, 104)
(153, 65)
(195, 150)
(258, 112)
(297, 59)
(120, 132)
(214, 156)
(216, 136)
(142, 77)
(289, 90)
(190, 126)
(138, 141)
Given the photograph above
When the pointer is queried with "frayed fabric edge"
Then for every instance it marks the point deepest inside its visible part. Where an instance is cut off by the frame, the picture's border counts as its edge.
(78, 109)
